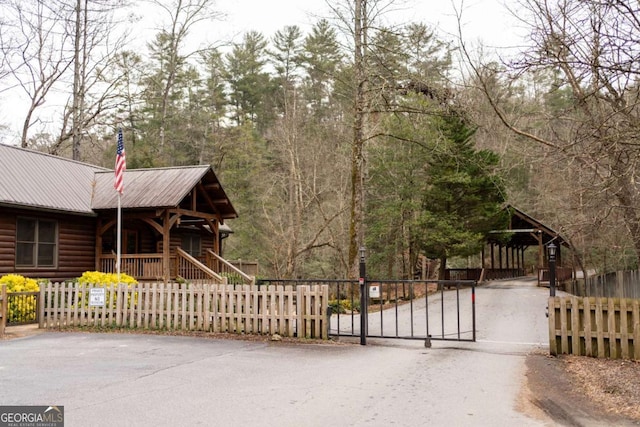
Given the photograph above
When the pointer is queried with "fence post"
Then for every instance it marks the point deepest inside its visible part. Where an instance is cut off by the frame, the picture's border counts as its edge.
(41, 306)
(3, 309)
(300, 311)
(553, 343)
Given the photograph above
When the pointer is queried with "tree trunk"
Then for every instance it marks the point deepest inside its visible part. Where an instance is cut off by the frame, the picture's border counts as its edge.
(77, 70)
(356, 224)
(442, 270)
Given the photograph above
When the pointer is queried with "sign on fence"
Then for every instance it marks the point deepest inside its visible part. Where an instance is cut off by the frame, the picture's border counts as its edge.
(96, 297)
(374, 291)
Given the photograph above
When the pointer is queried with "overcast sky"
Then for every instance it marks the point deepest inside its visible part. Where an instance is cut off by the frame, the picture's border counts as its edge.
(484, 21)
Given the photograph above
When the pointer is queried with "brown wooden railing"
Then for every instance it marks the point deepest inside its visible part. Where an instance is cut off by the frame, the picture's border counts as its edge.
(140, 266)
(211, 269)
(226, 268)
(191, 269)
(250, 268)
(562, 274)
(481, 274)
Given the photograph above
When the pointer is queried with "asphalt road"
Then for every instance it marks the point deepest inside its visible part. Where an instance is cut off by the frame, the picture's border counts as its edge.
(145, 380)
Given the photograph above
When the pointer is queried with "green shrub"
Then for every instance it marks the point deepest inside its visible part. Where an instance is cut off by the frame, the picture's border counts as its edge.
(344, 305)
(233, 278)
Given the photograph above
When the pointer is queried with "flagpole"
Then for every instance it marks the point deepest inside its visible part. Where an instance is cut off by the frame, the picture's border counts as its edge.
(118, 184)
(119, 239)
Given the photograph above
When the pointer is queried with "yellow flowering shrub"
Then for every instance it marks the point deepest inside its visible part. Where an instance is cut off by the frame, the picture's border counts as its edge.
(98, 279)
(17, 283)
(21, 309)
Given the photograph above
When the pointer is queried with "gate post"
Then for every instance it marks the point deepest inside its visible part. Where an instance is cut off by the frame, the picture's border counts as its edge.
(364, 299)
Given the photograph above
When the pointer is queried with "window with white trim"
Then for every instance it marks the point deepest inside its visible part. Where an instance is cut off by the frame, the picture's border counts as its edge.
(36, 243)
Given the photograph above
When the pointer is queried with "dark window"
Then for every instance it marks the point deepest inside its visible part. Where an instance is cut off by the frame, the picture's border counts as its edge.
(36, 243)
(191, 244)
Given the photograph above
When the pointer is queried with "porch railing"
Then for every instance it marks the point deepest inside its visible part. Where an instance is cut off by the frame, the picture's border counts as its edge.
(482, 274)
(149, 267)
(563, 274)
(192, 269)
(140, 266)
(224, 267)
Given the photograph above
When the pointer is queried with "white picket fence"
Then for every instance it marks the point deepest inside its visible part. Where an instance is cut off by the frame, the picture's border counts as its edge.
(248, 309)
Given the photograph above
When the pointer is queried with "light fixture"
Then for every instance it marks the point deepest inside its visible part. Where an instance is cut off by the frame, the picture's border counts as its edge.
(551, 249)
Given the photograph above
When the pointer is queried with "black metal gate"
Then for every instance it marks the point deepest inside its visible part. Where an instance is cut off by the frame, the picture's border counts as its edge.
(416, 310)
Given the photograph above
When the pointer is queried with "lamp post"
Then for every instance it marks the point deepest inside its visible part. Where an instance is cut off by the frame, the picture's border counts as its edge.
(363, 298)
(551, 250)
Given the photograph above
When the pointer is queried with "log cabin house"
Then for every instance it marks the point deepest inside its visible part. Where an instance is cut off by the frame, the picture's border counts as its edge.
(58, 219)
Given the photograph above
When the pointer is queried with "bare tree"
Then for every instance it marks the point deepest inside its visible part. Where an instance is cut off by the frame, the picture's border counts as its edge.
(169, 45)
(592, 49)
(34, 55)
(92, 29)
(53, 45)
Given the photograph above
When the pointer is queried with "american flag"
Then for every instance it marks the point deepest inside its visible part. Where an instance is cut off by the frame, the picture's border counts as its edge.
(121, 164)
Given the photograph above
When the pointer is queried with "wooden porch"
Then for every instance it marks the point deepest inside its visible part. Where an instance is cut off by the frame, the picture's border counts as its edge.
(168, 226)
(208, 269)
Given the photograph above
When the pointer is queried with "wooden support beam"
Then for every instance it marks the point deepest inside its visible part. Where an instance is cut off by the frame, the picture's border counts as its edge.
(103, 229)
(166, 250)
(194, 214)
(154, 225)
(209, 201)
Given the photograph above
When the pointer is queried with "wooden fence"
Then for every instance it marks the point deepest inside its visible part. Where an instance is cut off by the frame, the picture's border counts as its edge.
(596, 327)
(4, 312)
(617, 284)
(288, 311)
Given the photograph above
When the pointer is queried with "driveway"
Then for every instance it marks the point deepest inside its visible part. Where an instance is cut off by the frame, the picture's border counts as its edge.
(139, 380)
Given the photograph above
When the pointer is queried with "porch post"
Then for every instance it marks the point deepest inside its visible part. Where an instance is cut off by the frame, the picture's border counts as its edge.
(166, 250)
(506, 254)
(216, 238)
(492, 257)
(541, 262)
(98, 250)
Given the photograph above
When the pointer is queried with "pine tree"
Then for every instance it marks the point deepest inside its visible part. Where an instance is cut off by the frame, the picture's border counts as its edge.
(463, 198)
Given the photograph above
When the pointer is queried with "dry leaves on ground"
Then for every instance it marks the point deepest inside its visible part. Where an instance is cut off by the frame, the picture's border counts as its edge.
(612, 383)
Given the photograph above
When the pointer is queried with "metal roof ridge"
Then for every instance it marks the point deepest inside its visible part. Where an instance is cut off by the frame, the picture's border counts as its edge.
(54, 156)
(162, 168)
